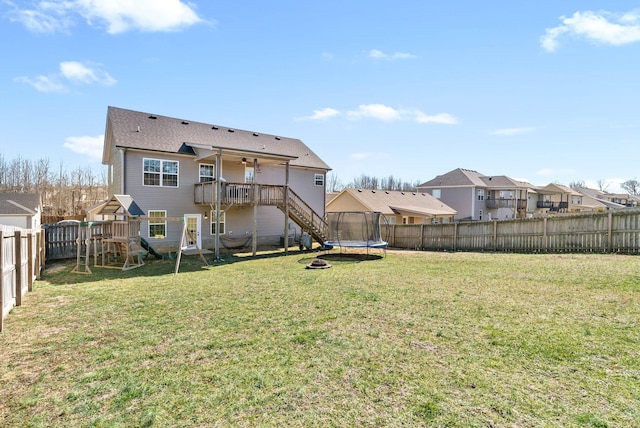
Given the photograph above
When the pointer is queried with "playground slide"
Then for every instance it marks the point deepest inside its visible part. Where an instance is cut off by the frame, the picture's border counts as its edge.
(149, 248)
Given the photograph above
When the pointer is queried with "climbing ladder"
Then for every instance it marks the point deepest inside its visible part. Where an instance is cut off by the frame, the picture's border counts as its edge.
(82, 260)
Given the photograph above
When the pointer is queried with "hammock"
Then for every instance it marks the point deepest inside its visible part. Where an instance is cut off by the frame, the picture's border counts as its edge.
(233, 243)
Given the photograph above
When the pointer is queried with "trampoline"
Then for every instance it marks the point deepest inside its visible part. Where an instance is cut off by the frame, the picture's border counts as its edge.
(355, 229)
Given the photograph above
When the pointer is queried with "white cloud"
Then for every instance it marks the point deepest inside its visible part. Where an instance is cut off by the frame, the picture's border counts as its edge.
(327, 56)
(442, 118)
(389, 114)
(322, 114)
(375, 111)
(73, 72)
(377, 54)
(600, 27)
(508, 132)
(43, 83)
(90, 146)
(81, 73)
(116, 15)
(383, 113)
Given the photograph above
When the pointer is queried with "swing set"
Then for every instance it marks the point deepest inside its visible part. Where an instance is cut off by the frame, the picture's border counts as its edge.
(118, 241)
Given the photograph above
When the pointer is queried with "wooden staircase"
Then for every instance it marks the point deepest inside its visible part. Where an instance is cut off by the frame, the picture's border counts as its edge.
(305, 217)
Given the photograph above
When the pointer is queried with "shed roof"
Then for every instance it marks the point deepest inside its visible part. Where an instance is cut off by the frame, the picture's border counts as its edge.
(394, 202)
(146, 131)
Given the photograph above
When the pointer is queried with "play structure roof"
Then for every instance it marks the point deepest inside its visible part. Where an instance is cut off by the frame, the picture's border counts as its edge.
(123, 205)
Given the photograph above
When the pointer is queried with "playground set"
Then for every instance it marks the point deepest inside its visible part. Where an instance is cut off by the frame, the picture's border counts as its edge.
(117, 243)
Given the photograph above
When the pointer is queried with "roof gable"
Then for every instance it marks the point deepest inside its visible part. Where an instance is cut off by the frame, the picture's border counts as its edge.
(145, 131)
(456, 177)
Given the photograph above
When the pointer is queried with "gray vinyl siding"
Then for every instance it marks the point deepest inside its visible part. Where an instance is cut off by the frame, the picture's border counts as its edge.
(178, 201)
(115, 184)
(462, 199)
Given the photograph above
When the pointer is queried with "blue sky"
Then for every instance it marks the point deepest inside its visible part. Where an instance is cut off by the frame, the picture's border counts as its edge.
(539, 91)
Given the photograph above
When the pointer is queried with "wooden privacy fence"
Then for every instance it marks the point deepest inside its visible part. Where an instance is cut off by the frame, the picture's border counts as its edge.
(21, 261)
(616, 231)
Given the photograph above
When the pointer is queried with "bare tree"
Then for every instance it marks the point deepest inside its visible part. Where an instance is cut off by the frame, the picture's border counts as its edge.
(602, 185)
(388, 183)
(576, 184)
(333, 183)
(62, 193)
(631, 186)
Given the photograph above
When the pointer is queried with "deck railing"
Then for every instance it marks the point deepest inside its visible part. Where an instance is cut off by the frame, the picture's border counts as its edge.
(261, 194)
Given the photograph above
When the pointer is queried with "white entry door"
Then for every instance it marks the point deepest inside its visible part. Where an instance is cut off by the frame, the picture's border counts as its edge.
(193, 235)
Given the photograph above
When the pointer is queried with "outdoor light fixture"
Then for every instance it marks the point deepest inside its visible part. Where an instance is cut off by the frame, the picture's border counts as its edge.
(244, 161)
(206, 215)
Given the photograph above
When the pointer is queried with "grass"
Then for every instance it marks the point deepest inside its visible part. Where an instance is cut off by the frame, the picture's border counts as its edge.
(412, 339)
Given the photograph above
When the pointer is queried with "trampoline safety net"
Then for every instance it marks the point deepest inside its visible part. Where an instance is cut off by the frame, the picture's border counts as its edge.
(355, 229)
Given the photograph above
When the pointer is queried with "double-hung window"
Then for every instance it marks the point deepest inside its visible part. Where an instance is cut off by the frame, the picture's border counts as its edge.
(213, 222)
(319, 180)
(207, 172)
(157, 172)
(157, 224)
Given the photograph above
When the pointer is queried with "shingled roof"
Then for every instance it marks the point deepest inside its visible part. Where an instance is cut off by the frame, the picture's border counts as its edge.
(146, 131)
(395, 202)
(465, 177)
(19, 203)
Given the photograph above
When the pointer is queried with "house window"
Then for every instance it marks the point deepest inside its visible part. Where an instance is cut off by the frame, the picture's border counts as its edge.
(435, 220)
(481, 194)
(213, 222)
(163, 173)
(319, 180)
(157, 224)
(480, 216)
(436, 193)
(207, 172)
(249, 174)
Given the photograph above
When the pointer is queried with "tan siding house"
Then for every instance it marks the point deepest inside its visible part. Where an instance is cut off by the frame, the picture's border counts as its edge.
(397, 207)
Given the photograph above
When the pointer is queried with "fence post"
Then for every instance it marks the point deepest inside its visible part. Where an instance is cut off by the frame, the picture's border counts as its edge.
(18, 262)
(495, 235)
(455, 236)
(1, 278)
(422, 236)
(610, 232)
(545, 237)
(30, 260)
(38, 254)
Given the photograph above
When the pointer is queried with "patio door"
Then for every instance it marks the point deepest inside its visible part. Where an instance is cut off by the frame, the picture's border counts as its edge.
(193, 235)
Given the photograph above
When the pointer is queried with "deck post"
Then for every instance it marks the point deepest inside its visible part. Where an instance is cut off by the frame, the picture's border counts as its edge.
(218, 196)
(254, 244)
(286, 209)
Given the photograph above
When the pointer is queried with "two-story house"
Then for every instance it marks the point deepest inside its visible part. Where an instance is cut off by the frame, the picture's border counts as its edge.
(476, 196)
(220, 181)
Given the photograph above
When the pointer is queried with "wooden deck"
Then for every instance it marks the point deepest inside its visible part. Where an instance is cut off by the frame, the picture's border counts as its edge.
(249, 194)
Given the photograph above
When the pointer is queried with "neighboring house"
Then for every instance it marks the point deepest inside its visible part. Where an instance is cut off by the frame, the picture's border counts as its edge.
(268, 186)
(562, 199)
(476, 196)
(602, 200)
(21, 210)
(397, 207)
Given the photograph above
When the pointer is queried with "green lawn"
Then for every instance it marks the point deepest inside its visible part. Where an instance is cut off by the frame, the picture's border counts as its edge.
(411, 339)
